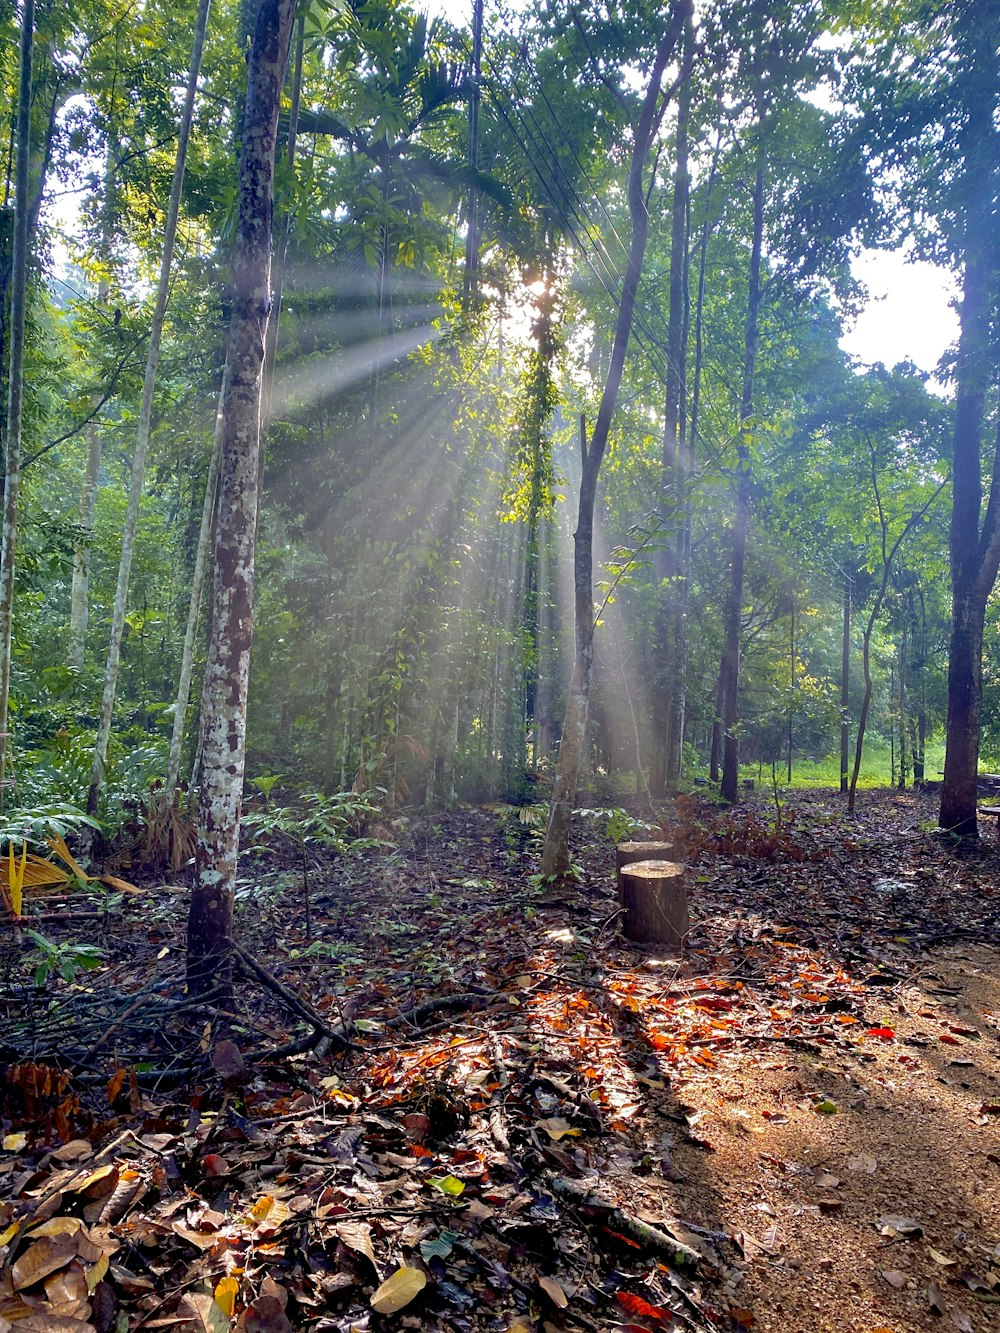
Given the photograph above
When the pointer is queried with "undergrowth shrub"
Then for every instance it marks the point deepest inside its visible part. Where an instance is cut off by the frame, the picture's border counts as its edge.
(780, 835)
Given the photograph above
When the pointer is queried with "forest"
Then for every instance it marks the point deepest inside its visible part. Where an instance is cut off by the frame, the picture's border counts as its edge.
(498, 707)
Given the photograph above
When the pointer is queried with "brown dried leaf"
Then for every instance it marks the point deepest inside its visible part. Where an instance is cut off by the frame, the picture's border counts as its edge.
(894, 1277)
(204, 1311)
(74, 1151)
(554, 1292)
(41, 1259)
(265, 1315)
(68, 1287)
(43, 1321)
(228, 1062)
(936, 1300)
(357, 1236)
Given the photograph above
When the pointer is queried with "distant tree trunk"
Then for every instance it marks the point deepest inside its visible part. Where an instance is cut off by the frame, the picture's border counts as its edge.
(791, 682)
(715, 752)
(145, 419)
(194, 606)
(904, 764)
(224, 705)
(470, 279)
(15, 381)
(730, 671)
(79, 615)
(79, 612)
(669, 561)
(975, 536)
(920, 666)
(845, 688)
(888, 557)
(555, 853)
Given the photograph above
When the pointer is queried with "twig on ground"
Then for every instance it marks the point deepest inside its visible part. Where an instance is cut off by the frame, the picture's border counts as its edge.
(294, 1002)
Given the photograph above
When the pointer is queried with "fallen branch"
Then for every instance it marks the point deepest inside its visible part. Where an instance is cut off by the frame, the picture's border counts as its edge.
(415, 1015)
(336, 1035)
(652, 1238)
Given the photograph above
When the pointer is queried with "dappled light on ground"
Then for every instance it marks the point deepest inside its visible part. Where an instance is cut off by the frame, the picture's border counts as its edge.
(516, 1122)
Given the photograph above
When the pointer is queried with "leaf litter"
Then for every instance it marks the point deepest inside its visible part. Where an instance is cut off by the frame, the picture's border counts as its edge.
(518, 1123)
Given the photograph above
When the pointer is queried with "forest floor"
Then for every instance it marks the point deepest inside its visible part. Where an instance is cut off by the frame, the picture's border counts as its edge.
(516, 1122)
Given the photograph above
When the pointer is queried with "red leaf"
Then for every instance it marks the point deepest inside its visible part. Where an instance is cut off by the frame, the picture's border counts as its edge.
(883, 1034)
(637, 1306)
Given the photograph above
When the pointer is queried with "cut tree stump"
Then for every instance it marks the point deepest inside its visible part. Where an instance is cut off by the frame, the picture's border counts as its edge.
(628, 852)
(654, 896)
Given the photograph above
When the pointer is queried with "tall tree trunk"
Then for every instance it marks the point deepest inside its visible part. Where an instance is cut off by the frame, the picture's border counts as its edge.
(555, 853)
(15, 382)
(845, 688)
(974, 537)
(145, 419)
(919, 623)
(281, 254)
(470, 280)
(904, 766)
(730, 671)
(672, 467)
(536, 457)
(79, 615)
(79, 611)
(791, 683)
(224, 705)
(888, 557)
(194, 606)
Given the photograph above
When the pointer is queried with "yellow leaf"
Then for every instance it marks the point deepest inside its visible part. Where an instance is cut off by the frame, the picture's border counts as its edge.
(398, 1290)
(58, 845)
(262, 1207)
(57, 1226)
(225, 1295)
(14, 1142)
(16, 885)
(557, 1128)
(119, 885)
(96, 1274)
(7, 1236)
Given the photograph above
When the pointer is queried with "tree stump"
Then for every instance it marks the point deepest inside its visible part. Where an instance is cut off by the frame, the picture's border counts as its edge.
(654, 896)
(628, 852)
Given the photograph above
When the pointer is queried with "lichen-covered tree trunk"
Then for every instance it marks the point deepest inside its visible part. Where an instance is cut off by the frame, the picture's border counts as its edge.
(145, 419)
(15, 383)
(555, 852)
(225, 699)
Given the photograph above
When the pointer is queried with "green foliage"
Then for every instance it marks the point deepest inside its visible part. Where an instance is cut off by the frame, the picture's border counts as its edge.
(34, 823)
(64, 957)
(618, 824)
(336, 822)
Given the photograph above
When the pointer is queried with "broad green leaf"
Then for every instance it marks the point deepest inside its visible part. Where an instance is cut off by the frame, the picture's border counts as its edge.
(448, 1185)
